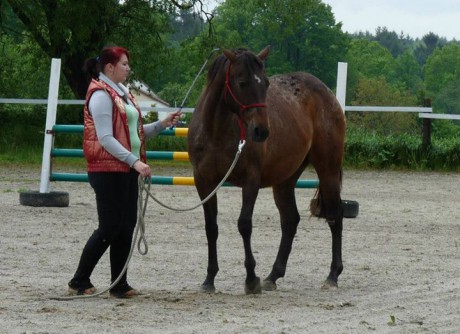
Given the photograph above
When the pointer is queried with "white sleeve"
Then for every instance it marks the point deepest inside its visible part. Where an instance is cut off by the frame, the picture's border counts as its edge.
(100, 106)
(153, 129)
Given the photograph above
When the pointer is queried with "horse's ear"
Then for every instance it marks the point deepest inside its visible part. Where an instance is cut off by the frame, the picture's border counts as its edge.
(264, 53)
(229, 54)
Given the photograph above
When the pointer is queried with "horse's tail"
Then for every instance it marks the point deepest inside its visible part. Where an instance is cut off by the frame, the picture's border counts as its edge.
(317, 207)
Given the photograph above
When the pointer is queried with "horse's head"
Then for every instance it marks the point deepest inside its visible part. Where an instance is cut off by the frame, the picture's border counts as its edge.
(246, 87)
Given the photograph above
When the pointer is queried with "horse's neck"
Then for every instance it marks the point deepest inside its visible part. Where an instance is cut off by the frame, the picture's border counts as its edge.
(218, 121)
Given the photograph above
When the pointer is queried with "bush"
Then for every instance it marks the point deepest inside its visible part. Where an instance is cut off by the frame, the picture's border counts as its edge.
(22, 142)
(364, 150)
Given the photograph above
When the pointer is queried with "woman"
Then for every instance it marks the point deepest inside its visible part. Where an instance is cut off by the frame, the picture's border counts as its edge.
(114, 147)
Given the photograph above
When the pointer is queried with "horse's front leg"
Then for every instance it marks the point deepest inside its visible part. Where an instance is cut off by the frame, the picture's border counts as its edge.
(252, 284)
(212, 233)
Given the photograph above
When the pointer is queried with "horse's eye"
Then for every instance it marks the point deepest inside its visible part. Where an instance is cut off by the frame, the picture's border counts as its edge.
(242, 84)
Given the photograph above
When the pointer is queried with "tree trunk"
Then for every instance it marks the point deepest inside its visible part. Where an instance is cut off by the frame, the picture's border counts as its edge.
(75, 75)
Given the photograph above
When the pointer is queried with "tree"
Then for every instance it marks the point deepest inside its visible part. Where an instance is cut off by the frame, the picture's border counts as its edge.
(442, 67)
(442, 78)
(187, 24)
(396, 44)
(408, 72)
(378, 92)
(367, 59)
(76, 30)
(303, 34)
(427, 46)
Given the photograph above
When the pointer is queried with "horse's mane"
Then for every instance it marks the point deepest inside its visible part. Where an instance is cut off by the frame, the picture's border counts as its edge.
(216, 67)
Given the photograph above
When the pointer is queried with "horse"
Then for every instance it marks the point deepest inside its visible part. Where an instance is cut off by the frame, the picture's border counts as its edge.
(285, 122)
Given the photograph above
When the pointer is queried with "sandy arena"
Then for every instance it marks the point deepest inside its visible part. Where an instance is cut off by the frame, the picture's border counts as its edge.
(401, 257)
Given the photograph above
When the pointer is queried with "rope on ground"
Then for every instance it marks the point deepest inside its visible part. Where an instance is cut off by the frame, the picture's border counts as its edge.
(144, 186)
(140, 229)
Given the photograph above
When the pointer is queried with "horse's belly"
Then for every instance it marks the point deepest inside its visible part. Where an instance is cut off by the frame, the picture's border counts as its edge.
(281, 171)
(283, 159)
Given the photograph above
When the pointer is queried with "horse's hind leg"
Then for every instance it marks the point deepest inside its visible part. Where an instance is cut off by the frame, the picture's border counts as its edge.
(286, 203)
(336, 227)
(330, 207)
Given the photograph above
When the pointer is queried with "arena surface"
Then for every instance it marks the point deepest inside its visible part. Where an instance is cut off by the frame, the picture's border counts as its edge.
(401, 257)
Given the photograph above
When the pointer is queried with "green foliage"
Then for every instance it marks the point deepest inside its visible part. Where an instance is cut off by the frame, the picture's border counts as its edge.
(24, 69)
(408, 73)
(21, 143)
(367, 59)
(447, 101)
(167, 143)
(426, 46)
(397, 45)
(445, 129)
(303, 34)
(164, 143)
(378, 92)
(392, 321)
(403, 151)
(442, 67)
(168, 47)
(141, 28)
(442, 78)
(76, 30)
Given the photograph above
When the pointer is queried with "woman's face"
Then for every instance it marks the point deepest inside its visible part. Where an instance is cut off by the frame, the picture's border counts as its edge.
(119, 72)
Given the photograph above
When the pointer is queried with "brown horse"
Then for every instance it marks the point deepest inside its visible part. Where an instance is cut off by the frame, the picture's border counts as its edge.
(288, 121)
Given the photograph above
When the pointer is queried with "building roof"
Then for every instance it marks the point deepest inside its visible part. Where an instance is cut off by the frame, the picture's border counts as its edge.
(142, 92)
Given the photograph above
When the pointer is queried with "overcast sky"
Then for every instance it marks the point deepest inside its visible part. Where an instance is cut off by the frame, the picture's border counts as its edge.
(415, 18)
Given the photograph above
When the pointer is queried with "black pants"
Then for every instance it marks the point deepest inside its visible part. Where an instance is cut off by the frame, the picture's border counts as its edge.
(116, 199)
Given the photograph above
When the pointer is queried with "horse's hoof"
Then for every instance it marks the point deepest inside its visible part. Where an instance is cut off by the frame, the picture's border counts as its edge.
(254, 287)
(329, 285)
(268, 285)
(208, 288)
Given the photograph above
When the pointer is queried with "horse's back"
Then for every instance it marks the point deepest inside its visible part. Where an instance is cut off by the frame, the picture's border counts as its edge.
(304, 113)
(305, 91)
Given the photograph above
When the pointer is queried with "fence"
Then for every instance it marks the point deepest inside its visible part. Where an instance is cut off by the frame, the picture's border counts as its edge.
(51, 128)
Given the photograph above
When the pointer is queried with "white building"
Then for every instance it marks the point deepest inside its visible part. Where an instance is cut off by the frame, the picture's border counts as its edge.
(147, 99)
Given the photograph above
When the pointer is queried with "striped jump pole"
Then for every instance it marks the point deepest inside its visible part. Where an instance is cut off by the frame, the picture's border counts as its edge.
(166, 180)
(78, 128)
(155, 155)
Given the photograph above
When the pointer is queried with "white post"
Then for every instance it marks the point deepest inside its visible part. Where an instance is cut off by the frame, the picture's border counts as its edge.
(341, 90)
(53, 92)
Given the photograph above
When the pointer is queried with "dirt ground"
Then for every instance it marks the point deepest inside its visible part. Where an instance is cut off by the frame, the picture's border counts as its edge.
(401, 257)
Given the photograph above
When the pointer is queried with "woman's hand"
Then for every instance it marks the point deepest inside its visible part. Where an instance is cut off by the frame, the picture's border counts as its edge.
(142, 168)
(171, 119)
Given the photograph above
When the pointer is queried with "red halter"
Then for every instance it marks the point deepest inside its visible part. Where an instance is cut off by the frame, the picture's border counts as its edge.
(242, 106)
